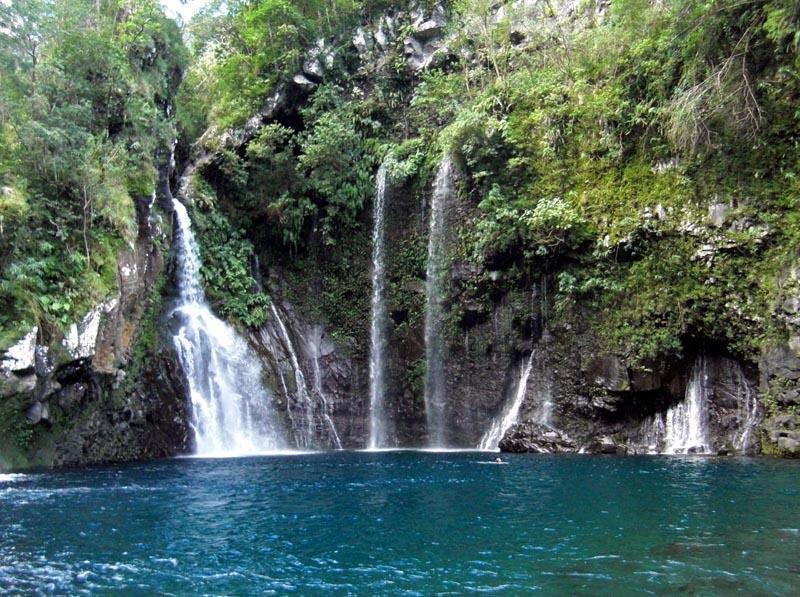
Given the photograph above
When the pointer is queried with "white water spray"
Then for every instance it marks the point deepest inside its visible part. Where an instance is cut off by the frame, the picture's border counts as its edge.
(232, 413)
(687, 421)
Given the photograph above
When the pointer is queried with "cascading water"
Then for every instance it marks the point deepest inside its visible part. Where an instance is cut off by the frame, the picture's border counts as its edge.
(303, 426)
(652, 433)
(315, 344)
(378, 428)
(231, 412)
(747, 412)
(687, 422)
(443, 190)
(304, 411)
(509, 416)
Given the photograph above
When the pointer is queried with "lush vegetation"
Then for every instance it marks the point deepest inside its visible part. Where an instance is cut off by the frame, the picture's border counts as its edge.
(85, 96)
(594, 147)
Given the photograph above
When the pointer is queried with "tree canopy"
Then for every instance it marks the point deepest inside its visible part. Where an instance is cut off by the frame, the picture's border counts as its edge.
(85, 102)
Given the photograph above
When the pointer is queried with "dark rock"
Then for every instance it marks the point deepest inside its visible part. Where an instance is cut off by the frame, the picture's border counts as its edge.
(645, 380)
(12, 384)
(536, 438)
(71, 397)
(609, 404)
(464, 271)
(608, 372)
(781, 362)
(75, 371)
(38, 412)
(726, 450)
(783, 432)
(605, 445)
(789, 398)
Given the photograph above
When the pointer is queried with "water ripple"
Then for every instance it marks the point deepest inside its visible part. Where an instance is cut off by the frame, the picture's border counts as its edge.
(403, 524)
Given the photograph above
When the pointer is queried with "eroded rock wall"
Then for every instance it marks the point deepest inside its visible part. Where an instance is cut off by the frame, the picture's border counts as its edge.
(107, 391)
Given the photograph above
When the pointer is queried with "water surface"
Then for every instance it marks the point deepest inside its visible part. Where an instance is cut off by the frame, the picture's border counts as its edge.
(405, 523)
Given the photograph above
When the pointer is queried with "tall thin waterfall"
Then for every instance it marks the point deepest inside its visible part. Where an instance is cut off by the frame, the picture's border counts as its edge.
(232, 413)
(378, 424)
(510, 413)
(687, 421)
(443, 190)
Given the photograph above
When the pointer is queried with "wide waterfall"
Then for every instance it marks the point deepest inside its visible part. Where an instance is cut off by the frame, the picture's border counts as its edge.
(720, 410)
(231, 412)
(378, 423)
(443, 190)
(510, 413)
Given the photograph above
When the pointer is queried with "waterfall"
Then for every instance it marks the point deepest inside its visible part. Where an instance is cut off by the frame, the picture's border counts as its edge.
(303, 408)
(378, 432)
(686, 427)
(652, 433)
(443, 189)
(544, 397)
(231, 412)
(509, 416)
(746, 412)
(686, 423)
(315, 344)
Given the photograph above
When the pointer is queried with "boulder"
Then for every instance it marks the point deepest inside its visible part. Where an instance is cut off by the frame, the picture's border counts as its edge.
(12, 384)
(304, 82)
(605, 445)
(536, 438)
(312, 68)
(21, 355)
(38, 412)
(362, 41)
(783, 431)
(718, 213)
(781, 362)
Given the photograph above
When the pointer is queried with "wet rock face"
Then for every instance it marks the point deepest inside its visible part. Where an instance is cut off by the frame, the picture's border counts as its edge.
(150, 422)
(608, 372)
(780, 378)
(324, 404)
(604, 407)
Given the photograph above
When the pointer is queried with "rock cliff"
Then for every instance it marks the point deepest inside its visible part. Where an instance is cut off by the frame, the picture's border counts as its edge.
(107, 391)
